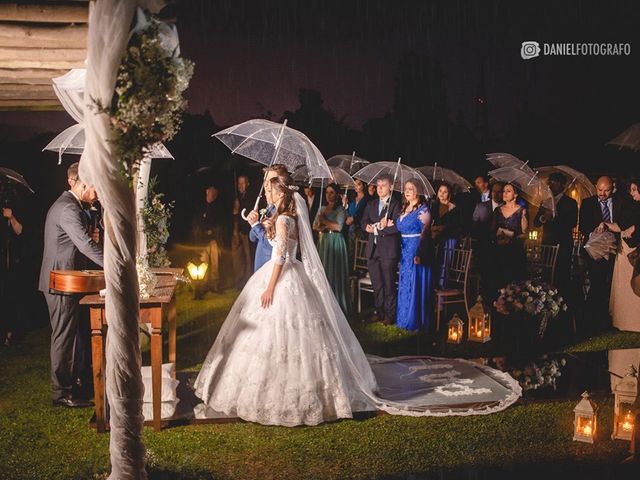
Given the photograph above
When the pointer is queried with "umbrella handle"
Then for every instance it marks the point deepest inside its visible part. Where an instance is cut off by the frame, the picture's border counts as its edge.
(243, 214)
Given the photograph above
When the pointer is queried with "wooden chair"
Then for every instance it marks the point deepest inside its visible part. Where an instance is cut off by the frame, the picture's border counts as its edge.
(361, 280)
(541, 261)
(456, 282)
(475, 276)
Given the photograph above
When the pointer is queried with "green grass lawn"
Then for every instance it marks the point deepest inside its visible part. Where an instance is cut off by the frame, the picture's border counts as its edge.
(40, 441)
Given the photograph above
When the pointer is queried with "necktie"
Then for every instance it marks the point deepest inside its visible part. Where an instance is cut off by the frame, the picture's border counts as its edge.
(606, 214)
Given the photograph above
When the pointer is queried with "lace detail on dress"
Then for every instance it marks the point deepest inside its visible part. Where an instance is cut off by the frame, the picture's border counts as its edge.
(286, 239)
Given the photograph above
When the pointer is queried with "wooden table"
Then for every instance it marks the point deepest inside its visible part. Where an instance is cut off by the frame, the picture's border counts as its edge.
(156, 310)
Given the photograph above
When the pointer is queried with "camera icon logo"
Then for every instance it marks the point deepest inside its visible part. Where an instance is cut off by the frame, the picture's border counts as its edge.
(529, 50)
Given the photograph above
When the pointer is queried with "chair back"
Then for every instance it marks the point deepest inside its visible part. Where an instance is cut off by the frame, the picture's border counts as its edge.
(541, 261)
(457, 263)
(359, 258)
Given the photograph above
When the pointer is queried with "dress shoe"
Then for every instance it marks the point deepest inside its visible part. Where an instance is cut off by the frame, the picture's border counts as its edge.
(388, 320)
(72, 403)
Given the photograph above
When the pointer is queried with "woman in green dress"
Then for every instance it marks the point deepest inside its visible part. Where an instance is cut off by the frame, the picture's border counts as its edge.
(332, 246)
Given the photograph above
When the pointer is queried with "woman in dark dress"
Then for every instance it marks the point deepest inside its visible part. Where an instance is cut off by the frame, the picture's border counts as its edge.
(446, 228)
(509, 231)
(354, 208)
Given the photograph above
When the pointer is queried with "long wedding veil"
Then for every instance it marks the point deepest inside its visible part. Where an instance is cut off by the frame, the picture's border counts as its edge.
(357, 366)
(356, 361)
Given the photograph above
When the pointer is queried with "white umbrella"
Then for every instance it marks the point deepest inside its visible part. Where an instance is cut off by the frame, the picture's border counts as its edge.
(71, 140)
(630, 138)
(271, 143)
(578, 185)
(501, 159)
(401, 173)
(451, 177)
(350, 163)
(529, 184)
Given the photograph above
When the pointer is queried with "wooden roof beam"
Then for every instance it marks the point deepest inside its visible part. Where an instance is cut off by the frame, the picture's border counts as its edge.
(45, 13)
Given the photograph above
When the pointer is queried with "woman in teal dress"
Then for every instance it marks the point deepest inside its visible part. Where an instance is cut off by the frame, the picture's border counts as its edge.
(416, 260)
(332, 246)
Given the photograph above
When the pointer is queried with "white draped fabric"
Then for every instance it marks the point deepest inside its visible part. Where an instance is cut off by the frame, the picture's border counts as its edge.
(109, 24)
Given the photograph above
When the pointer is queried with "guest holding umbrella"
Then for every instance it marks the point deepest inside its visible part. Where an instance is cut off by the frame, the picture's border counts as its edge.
(416, 257)
(509, 229)
(332, 247)
(446, 226)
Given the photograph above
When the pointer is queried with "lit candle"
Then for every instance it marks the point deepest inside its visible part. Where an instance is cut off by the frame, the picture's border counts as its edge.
(587, 430)
(479, 333)
(627, 426)
(454, 335)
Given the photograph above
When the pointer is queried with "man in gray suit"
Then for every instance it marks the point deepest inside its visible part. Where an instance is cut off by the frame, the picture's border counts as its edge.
(67, 245)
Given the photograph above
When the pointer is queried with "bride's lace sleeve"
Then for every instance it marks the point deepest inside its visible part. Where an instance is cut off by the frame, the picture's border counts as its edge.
(283, 225)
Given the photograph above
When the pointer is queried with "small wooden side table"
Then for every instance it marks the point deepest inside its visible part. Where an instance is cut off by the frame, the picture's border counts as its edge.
(157, 309)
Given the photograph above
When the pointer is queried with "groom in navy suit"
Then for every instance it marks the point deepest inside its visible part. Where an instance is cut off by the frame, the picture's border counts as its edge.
(258, 233)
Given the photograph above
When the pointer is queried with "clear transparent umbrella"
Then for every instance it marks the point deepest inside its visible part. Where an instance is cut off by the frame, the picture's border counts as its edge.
(71, 140)
(349, 163)
(8, 175)
(630, 138)
(578, 186)
(337, 176)
(501, 159)
(436, 173)
(529, 185)
(271, 143)
(401, 173)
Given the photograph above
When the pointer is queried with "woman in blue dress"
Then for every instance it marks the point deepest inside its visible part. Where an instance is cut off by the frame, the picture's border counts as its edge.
(332, 247)
(416, 258)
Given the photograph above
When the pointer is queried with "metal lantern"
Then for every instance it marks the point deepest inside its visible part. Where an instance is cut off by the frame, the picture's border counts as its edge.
(197, 272)
(479, 322)
(585, 422)
(625, 393)
(455, 330)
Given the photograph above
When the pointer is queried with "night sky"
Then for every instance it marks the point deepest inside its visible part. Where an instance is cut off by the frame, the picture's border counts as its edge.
(254, 56)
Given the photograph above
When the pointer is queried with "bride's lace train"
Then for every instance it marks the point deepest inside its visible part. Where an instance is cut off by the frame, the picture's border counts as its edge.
(280, 365)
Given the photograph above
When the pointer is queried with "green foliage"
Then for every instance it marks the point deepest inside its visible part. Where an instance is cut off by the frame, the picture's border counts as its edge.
(148, 101)
(156, 216)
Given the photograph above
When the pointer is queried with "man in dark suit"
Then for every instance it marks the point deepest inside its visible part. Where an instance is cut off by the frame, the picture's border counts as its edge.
(67, 246)
(383, 249)
(482, 231)
(558, 230)
(241, 248)
(604, 207)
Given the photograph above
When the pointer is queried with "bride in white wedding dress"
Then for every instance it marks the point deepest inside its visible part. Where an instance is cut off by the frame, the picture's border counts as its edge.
(286, 354)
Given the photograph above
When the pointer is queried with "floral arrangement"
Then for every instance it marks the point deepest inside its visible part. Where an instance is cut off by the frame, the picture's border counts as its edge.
(156, 216)
(147, 280)
(148, 99)
(533, 376)
(534, 298)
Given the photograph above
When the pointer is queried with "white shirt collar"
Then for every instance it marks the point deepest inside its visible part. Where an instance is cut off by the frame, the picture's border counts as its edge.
(76, 196)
